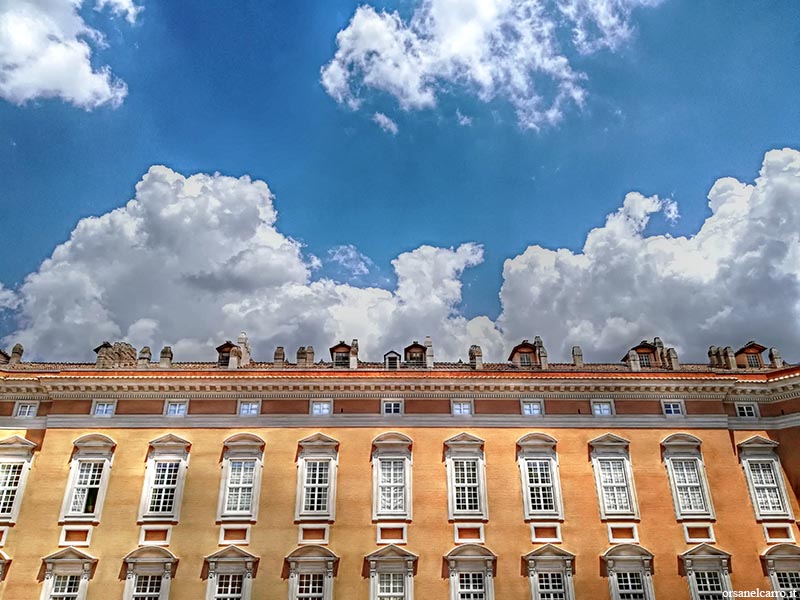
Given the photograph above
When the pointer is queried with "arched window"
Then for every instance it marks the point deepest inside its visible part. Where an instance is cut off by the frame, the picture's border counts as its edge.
(240, 486)
(550, 572)
(89, 471)
(708, 572)
(311, 573)
(391, 476)
(164, 479)
(630, 572)
(541, 485)
(149, 572)
(230, 574)
(317, 462)
(466, 478)
(687, 477)
(783, 567)
(471, 568)
(614, 477)
(391, 573)
(67, 574)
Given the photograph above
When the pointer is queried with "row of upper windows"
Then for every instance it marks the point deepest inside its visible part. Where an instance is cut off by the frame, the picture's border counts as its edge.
(459, 407)
(317, 464)
(150, 572)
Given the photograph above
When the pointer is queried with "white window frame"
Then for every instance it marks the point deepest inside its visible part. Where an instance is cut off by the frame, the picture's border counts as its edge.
(149, 561)
(312, 404)
(706, 558)
(311, 560)
(525, 402)
(686, 447)
(466, 447)
(743, 406)
(395, 561)
(613, 447)
(781, 558)
(757, 449)
(92, 448)
(391, 446)
(627, 558)
(16, 450)
(471, 558)
(458, 405)
(98, 402)
(27, 403)
(241, 447)
(67, 562)
(603, 402)
(230, 561)
(179, 414)
(398, 401)
(241, 403)
(167, 448)
(318, 447)
(681, 408)
(550, 559)
(539, 447)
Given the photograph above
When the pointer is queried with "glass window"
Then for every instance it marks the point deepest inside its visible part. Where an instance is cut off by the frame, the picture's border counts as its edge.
(463, 407)
(391, 586)
(673, 408)
(392, 407)
(789, 583)
(165, 485)
(471, 586)
(766, 486)
(689, 486)
(241, 475)
(176, 409)
(602, 409)
(525, 359)
(392, 485)
(65, 587)
(103, 409)
(311, 586)
(10, 476)
(745, 410)
(752, 361)
(87, 487)
(551, 586)
(316, 485)
(341, 359)
(467, 485)
(147, 587)
(614, 483)
(248, 407)
(709, 585)
(540, 486)
(531, 407)
(321, 407)
(229, 587)
(630, 585)
(26, 409)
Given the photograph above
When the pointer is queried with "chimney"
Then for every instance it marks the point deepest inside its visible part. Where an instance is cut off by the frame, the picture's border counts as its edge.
(301, 357)
(577, 356)
(279, 359)
(428, 352)
(661, 355)
(713, 357)
(103, 352)
(729, 358)
(16, 355)
(775, 360)
(244, 344)
(144, 358)
(235, 358)
(672, 359)
(540, 352)
(354, 354)
(165, 360)
(475, 357)
(309, 356)
(633, 360)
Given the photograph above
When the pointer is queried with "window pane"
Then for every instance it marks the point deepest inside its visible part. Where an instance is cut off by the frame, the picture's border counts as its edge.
(315, 488)
(540, 486)
(147, 587)
(87, 487)
(241, 476)
(630, 585)
(10, 474)
(551, 586)
(470, 586)
(688, 485)
(165, 484)
(614, 483)
(467, 488)
(65, 587)
(229, 587)
(310, 586)
(391, 586)
(789, 581)
(392, 485)
(766, 486)
(709, 585)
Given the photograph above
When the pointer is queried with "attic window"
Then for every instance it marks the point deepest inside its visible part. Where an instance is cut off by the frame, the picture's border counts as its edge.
(525, 359)
(392, 362)
(644, 359)
(224, 358)
(341, 360)
(753, 361)
(415, 359)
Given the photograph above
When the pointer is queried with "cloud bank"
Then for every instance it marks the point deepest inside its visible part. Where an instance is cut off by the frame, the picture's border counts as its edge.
(47, 51)
(507, 49)
(191, 261)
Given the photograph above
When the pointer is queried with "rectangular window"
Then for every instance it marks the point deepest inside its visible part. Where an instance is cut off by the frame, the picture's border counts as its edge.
(311, 586)
(602, 409)
(341, 360)
(165, 486)
(766, 487)
(746, 410)
(176, 409)
(532, 408)
(471, 586)
(10, 475)
(630, 585)
(392, 407)
(551, 586)
(673, 408)
(462, 407)
(103, 409)
(249, 408)
(392, 485)
(467, 485)
(644, 360)
(752, 361)
(241, 475)
(540, 486)
(789, 583)
(229, 587)
(709, 585)
(147, 587)
(525, 360)
(25, 409)
(86, 487)
(391, 586)
(689, 486)
(614, 484)
(316, 486)
(65, 587)
(321, 407)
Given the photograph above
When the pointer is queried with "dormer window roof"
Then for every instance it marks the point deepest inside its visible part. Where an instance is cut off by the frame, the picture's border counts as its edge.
(224, 353)
(523, 348)
(415, 354)
(391, 360)
(749, 356)
(527, 355)
(340, 355)
(648, 354)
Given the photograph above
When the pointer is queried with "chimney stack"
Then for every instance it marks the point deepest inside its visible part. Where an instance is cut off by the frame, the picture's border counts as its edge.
(16, 355)
(144, 358)
(577, 356)
(354, 354)
(729, 358)
(633, 360)
(540, 352)
(165, 359)
(775, 360)
(428, 352)
(279, 359)
(713, 357)
(244, 345)
(309, 356)
(672, 359)
(475, 357)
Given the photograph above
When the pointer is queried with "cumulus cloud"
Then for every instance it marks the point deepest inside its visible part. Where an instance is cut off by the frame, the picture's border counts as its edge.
(506, 49)
(463, 120)
(385, 123)
(190, 261)
(46, 52)
(351, 260)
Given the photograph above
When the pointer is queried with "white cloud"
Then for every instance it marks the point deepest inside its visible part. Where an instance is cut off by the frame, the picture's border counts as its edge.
(385, 123)
(191, 261)
(463, 120)
(46, 52)
(494, 48)
(349, 258)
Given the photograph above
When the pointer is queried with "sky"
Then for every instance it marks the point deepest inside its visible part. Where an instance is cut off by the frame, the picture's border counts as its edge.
(595, 172)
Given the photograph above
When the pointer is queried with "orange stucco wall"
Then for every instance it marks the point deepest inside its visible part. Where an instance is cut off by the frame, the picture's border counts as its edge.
(353, 534)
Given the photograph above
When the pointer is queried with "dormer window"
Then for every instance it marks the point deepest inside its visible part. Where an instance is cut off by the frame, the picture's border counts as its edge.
(644, 359)
(525, 360)
(415, 359)
(391, 360)
(753, 361)
(341, 360)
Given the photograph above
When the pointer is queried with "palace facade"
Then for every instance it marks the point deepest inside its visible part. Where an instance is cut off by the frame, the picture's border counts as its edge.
(137, 478)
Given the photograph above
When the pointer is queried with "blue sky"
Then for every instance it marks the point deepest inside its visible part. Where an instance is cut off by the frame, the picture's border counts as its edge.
(696, 92)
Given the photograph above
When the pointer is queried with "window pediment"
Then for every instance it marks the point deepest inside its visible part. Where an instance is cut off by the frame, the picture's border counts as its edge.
(464, 440)
(170, 443)
(247, 443)
(537, 441)
(609, 441)
(17, 446)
